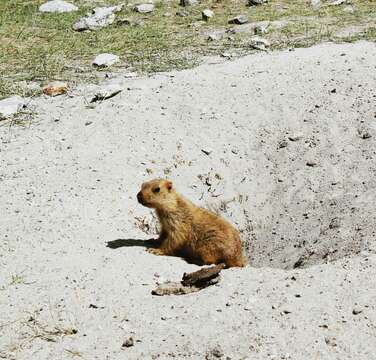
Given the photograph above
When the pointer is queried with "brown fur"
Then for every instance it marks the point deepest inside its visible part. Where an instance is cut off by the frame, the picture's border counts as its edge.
(188, 230)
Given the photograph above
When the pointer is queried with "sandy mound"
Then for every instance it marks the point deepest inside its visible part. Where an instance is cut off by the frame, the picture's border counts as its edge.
(282, 144)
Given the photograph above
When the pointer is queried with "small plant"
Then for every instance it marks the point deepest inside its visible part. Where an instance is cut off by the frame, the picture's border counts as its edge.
(74, 353)
(149, 227)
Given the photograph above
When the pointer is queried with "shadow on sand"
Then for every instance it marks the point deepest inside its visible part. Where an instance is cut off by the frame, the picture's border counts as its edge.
(151, 243)
(118, 243)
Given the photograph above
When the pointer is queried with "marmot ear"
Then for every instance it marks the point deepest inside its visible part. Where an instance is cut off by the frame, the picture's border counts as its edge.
(169, 184)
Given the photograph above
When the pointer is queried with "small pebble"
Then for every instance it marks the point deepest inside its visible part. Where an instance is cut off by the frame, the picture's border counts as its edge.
(128, 343)
(357, 310)
(207, 14)
(282, 144)
(207, 151)
(239, 20)
(311, 163)
(296, 137)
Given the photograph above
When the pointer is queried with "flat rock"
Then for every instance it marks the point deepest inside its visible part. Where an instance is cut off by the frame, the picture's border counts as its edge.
(11, 106)
(105, 60)
(256, 2)
(215, 36)
(106, 92)
(336, 2)
(357, 310)
(311, 163)
(173, 288)
(228, 55)
(349, 9)
(191, 282)
(128, 342)
(131, 74)
(97, 19)
(259, 43)
(55, 88)
(252, 26)
(239, 20)
(182, 13)
(315, 4)
(58, 6)
(207, 14)
(188, 2)
(295, 137)
(261, 28)
(144, 8)
(364, 133)
(282, 144)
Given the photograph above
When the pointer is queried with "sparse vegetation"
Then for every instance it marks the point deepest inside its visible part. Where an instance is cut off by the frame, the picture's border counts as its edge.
(32, 328)
(36, 47)
(16, 279)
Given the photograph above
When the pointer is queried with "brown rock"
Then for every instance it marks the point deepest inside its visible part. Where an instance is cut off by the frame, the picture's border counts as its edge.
(55, 88)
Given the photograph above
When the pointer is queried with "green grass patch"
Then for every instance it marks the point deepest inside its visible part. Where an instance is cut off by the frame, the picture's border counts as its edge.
(37, 47)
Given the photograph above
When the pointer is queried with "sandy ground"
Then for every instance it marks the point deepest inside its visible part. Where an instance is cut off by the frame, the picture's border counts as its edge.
(290, 159)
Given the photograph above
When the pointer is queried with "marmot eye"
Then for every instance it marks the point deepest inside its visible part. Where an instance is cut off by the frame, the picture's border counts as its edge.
(156, 190)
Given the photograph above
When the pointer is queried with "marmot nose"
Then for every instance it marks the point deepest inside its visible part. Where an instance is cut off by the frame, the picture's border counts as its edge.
(139, 196)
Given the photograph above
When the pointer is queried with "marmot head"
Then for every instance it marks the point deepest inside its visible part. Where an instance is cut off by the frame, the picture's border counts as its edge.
(157, 194)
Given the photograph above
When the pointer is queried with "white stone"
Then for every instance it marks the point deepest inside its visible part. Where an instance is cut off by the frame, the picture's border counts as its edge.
(106, 92)
(215, 36)
(144, 8)
(11, 106)
(296, 136)
(98, 18)
(315, 4)
(349, 9)
(261, 28)
(257, 2)
(207, 14)
(58, 6)
(336, 2)
(239, 20)
(259, 43)
(105, 60)
(131, 74)
(188, 2)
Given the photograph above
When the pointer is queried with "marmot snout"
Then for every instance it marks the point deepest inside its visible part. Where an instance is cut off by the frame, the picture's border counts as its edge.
(188, 230)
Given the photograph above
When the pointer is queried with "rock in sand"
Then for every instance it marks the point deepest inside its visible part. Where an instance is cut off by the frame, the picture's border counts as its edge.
(105, 60)
(11, 106)
(259, 43)
(239, 20)
(336, 2)
(207, 14)
(55, 88)
(188, 2)
(97, 19)
(106, 92)
(256, 2)
(215, 36)
(315, 4)
(144, 8)
(58, 6)
(262, 28)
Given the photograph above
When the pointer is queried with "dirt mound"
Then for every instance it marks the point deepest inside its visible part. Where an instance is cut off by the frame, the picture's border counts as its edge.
(282, 144)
